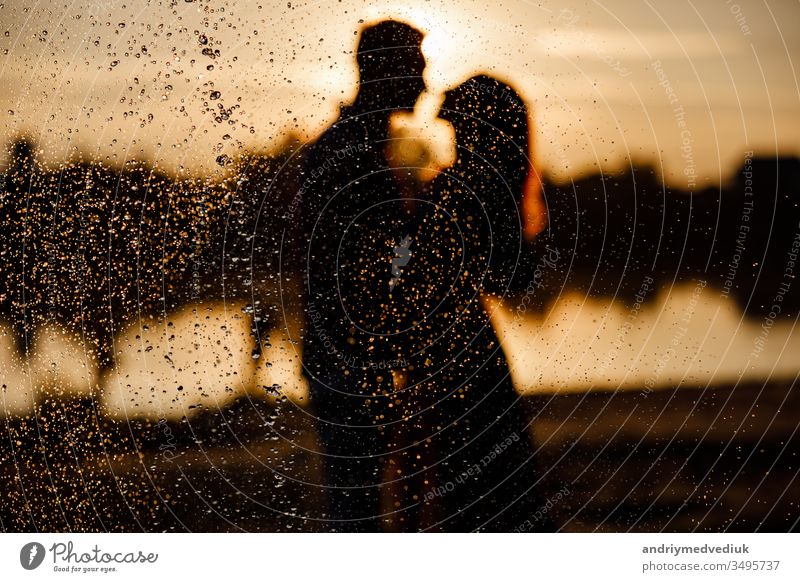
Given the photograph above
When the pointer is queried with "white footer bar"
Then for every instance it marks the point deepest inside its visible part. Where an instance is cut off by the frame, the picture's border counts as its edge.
(397, 557)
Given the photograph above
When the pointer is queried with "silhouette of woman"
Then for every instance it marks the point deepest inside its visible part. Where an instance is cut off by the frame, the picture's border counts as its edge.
(466, 461)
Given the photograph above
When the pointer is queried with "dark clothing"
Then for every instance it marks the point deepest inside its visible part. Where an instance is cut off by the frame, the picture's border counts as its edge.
(352, 218)
(469, 452)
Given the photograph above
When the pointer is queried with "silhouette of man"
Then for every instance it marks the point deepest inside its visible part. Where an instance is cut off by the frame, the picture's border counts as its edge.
(353, 218)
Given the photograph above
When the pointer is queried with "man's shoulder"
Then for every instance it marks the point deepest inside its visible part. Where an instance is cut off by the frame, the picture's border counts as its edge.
(344, 140)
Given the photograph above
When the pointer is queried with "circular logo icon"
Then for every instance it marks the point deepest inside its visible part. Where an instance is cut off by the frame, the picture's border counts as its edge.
(31, 555)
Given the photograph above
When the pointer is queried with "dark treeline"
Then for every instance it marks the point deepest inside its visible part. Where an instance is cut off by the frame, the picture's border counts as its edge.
(94, 248)
(611, 232)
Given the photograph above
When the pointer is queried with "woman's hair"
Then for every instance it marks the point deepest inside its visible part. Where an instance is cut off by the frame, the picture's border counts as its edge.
(491, 118)
(491, 122)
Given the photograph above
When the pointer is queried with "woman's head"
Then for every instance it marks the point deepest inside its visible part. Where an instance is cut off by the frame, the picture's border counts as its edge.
(491, 119)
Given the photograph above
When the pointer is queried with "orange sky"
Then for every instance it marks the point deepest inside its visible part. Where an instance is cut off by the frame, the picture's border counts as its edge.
(607, 80)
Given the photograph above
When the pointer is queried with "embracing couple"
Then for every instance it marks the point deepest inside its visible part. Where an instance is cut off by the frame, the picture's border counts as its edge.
(419, 424)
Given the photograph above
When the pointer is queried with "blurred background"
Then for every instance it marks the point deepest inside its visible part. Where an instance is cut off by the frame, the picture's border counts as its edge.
(149, 333)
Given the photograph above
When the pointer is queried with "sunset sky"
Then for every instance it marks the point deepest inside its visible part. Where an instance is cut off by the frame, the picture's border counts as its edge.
(607, 81)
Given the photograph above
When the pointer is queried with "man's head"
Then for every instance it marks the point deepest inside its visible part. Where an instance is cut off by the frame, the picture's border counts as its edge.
(391, 64)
